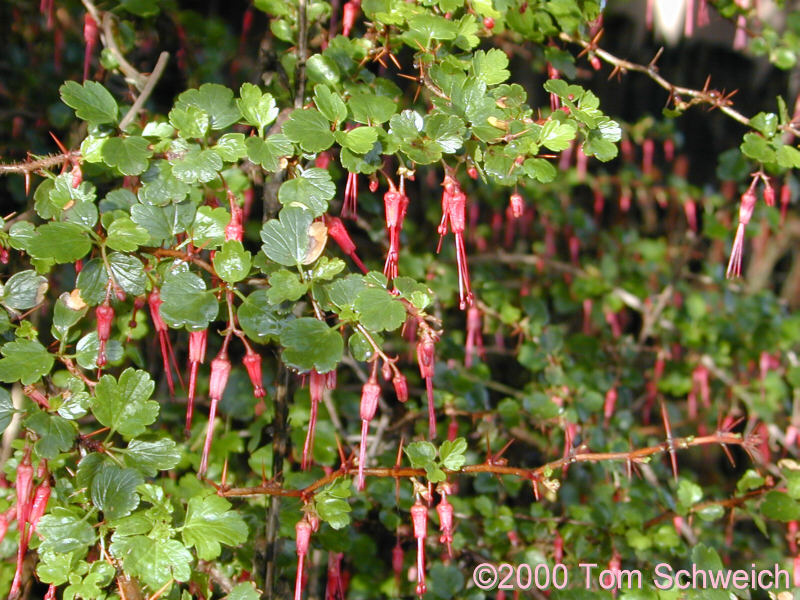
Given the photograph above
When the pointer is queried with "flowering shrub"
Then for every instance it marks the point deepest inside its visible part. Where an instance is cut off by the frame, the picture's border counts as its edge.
(237, 361)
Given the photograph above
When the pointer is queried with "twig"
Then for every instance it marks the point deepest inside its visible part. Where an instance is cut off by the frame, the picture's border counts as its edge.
(704, 96)
(169, 252)
(130, 72)
(540, 473)
(31, 166)
(158, 70)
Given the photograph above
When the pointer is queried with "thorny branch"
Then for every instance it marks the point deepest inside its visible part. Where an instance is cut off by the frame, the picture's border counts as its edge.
(535, 475)
(677, 93)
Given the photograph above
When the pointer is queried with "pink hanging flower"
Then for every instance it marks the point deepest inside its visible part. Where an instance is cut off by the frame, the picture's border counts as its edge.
(419, 517)
(746, 207)
(370, 393)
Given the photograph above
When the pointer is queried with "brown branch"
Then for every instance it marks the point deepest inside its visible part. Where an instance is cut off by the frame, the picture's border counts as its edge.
(32, 166)
(170, 253)
(705, 96)
(727, 503)
(149, 85)
(272, 488)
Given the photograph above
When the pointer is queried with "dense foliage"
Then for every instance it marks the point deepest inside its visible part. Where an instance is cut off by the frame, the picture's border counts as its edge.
(343, 300)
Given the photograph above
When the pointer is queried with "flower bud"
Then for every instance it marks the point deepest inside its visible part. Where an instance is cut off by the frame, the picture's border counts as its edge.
(252, 362)
(400, 387)
(516, 205)
(369, 399)
(419, 517)
(198, 341)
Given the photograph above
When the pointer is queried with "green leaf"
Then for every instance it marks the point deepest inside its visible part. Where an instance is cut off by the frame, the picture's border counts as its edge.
(216, 100)
(129, 154)
(286, 238)
(209, 523)
(378, 310)
(258, 319)
(766, 123)
(310, 344)
(788, 157)
(92, 281)
(779, 506)
(231, 147)
(322, 69)
(63, 242)
(208, 229)
(6, 409)
(490, 67)
(310, 129)
(427, 27)
(56, 434)
(128, 272)
(88, 347)
(185, 301)
(452, 454)
(56, 568)
(244, 591)
(63, 530)
(91, 101)
(330, 104)
(359, 140)
(125, 406)
(598, 147)
(448, 131)
(160, 187)
(154, 561)
(125, 235)
(113, 491)
(370, 109)
(285, 285)
(232, 263)
(197, 166)
(141, 8)
(539, 169)
(312, 190)
(331, 503)
(421, 454)
(268, 153)
(326, 268)
(756, 147)
(557, 136)
(191, 122)
(25, 361)
(152, 457)
(258, 109)
(23, 290)
(689, 494)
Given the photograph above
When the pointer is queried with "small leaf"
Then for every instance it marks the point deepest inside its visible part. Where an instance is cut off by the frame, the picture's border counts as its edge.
(25, 361)
(152, 457)
(421, 454)
(197, 166)
(154, 561)
(190, 121)
(258, 109)
(258, 319)
(370, 109)
(185, 301)
(209, 523)
(452, 453)
(269, 152)
(64, 531)
(286, 238)
(23, 290)
(232, 263)
(216, 100)
(243, 591)
(378, 310)
(231, 147)
(330, 104)
(6, 409)
(285, 285)
(128, 272)
(125, 405)
(125, 235)
(312, 190)
(310, 344)
(779, 506)
(129, 154)
(91, 101)
(56, 434)
(310, 129)
(63, 242)
(490, 67)
(114, 491)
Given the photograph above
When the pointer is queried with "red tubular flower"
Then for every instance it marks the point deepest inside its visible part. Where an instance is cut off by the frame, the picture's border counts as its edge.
(349, 14)
(40, 499)
(474, 339)
(316, 388)
(648, 150)
(51, 592)
(398, 558)
(334, 589)
(454, 204)
(3, 526)
(746, 207)
(338, 232)
(154, 302)
(395, 204)
(370, 393)
(303, 533)
(786, 197)
(220, 371)
(323, 160)
(198, 340)
(690, 210)
(516, 204)
(419, 517)
(90, 36)
(24, 487)
(234, 230)
(688, 22)
(769, 192)
(350, 205)
(452, 428)
(609, 405)
(105, 315)
(425, 359)
(445, 511)
(558, 548)
(252, 362)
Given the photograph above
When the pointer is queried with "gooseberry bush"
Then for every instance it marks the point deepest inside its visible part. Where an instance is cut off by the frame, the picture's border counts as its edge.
(342, 300)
